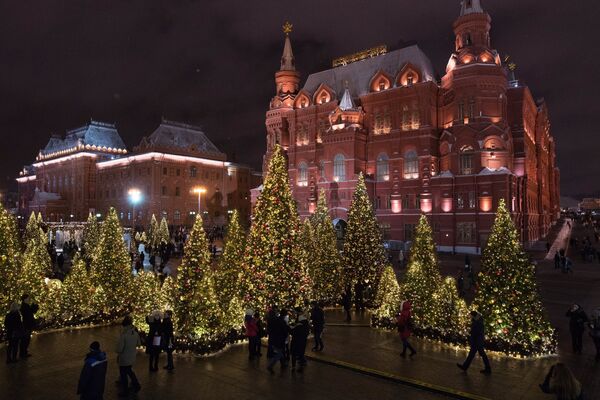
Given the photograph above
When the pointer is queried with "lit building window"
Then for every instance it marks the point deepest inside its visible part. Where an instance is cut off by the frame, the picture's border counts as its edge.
(466, 161)
(411, 165)
(382, 84)
(193, 172)
(176, 215)
(339, 168)
(383, 168)
(303, 174)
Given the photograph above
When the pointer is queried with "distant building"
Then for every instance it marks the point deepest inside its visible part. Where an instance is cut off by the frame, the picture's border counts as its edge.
(450, 149)
(589, 204)
(91, 170)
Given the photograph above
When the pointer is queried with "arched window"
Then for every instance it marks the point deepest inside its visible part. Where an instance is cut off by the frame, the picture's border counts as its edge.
(411, 165)
(466, 160)
(322, 169)
(383, 167)
(302, 174)
(410, 79)
(339, 168)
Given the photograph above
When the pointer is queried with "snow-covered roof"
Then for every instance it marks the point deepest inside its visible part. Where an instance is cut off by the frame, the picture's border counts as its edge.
(176, 135)
(443, 174)
(499, 171)
(358, 74)
(346, 103)
(99, 134)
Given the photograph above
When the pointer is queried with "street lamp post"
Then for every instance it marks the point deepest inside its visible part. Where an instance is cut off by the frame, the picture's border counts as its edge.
(199, 191)
(135, 196)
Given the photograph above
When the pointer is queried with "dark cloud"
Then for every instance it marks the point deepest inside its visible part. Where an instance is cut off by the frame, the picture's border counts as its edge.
(211, 62)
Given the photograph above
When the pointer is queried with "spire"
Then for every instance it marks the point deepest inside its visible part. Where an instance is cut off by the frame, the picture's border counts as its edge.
(470, 7)
(346, 103)
(287, 59)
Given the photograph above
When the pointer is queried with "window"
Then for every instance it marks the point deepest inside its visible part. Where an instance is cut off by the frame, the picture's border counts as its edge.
(465, 232)
(193, 172)
(466, 161)
(411, 165)
(322, 169)
(472, 202)
(406, 123)
(303, 174)
(382, 84)
(461, 111)
(410, 79)
(383, 168)
(164, 190)
(177, 192)
(387, 121)
(471, 113)
(409, 231)
(405, 202)
(176, 215)
(339, 168)
(164, 170)
(460, 200)
(178, 172)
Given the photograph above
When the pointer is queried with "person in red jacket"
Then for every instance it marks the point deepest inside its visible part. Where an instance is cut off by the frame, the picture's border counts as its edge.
(251, 333)
(404, 321)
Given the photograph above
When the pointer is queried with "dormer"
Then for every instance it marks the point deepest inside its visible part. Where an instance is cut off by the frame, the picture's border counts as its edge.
(303, 100)
(408, 75)
(380, 82)
(324, 94)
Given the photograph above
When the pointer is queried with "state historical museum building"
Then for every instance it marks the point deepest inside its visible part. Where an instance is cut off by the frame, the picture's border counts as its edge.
(449, 149)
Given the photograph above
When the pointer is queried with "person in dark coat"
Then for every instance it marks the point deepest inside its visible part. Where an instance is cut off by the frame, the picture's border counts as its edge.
(300, 333)
(14, 332)
(168, 339)
(577, 320)
(28, 310)
(93, 374)
(251, 333)
(260, 329)
(404, 321)
(278, 333)
(359, 289)
(347, 303)
(154, 339)
(477, 342)
(317, 316)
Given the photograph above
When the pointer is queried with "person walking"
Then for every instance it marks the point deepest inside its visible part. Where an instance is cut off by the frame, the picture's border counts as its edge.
(154, 339)
(260, 333)
(168, 339)
(317, 317)
(14, 332)
(93, 374)
(278, 333)
(251, 333)
(577, 321)
(347, 303)
(477, 342)
(300, 333)
(127, 345)
(561, 382)
(28, 310)
(405, 326)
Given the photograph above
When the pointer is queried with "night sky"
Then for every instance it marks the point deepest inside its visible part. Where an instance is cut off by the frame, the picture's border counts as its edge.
(211, 63)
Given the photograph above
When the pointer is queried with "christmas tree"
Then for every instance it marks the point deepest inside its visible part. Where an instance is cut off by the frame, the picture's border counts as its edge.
(111, 267)
(364, 254)
(32, 228)
(274, 274)
(153, 228)
(388, 299)
(77, 292)
(423, 278)
(163, 232)
(91, 237)
(325, 267)
(453, 326)
(9, 261)
(35, 264)
(146, 298)
(508, 297)
(168, 293)
(51, 309)
(227, 277)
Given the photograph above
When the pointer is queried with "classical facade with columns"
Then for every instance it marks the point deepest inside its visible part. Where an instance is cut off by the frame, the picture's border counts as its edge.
(450, 149)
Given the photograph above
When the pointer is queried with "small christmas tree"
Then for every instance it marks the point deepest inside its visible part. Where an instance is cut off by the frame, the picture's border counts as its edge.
(9, 261)
(423, 278)
(163, 232)
(77, 292)
(325, 266)
(508, 297)
(146, 298)
(453, 326)
(51, 309)
(153, 228)
(91, 237)
(111, 267)
(273, 270)
(388, 299)
(227, 276)
(32, 228)
(364, 254)
(35, 263)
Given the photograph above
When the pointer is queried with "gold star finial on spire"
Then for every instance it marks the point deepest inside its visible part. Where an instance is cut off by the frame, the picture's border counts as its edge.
(512, 66)
(287, 28)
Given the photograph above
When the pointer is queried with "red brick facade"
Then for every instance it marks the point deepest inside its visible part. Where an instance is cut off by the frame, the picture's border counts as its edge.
(449, 149)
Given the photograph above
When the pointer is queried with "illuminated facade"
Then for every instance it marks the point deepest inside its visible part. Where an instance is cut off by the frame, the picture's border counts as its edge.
(91, 170)
(450, 149)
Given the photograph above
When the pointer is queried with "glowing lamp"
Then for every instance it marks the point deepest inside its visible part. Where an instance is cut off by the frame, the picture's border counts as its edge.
(396, 206)
(447, 205)
(426, 205)
(485, 203)
(312, 207)
(135, 196)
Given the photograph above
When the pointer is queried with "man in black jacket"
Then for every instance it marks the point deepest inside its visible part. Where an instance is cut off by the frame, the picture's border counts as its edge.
(93, 374)
(278, 333)
(28, 311)
(477, 341)
(317, 317)
(14, 331)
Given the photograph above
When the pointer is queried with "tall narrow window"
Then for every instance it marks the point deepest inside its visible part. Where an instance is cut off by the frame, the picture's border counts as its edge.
(410, 79)
(471, 108)
(193, 172)
(302, 174)
(322, 169)
(383, 168)
(461, 111)
(411, 165)
(339, 168)
(406, 123)
(466, 160)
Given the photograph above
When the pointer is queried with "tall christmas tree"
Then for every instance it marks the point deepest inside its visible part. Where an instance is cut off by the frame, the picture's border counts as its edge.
(111, 267)
(35, 264)
(274, 274)
(227, 276)
(153, 228)
(388, 299)
(364, 254)
(9, 261)
(77, 292)
(325, 267)
(91, 237)
(146, 298)
(508, 297)
(423, 278)
(163, 232)
(32, 228)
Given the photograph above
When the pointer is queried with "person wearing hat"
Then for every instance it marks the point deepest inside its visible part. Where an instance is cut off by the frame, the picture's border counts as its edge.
(154, 339)
(405, 326)
(93, 374)
(476, 341)
(251, 333)
(299, 333)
